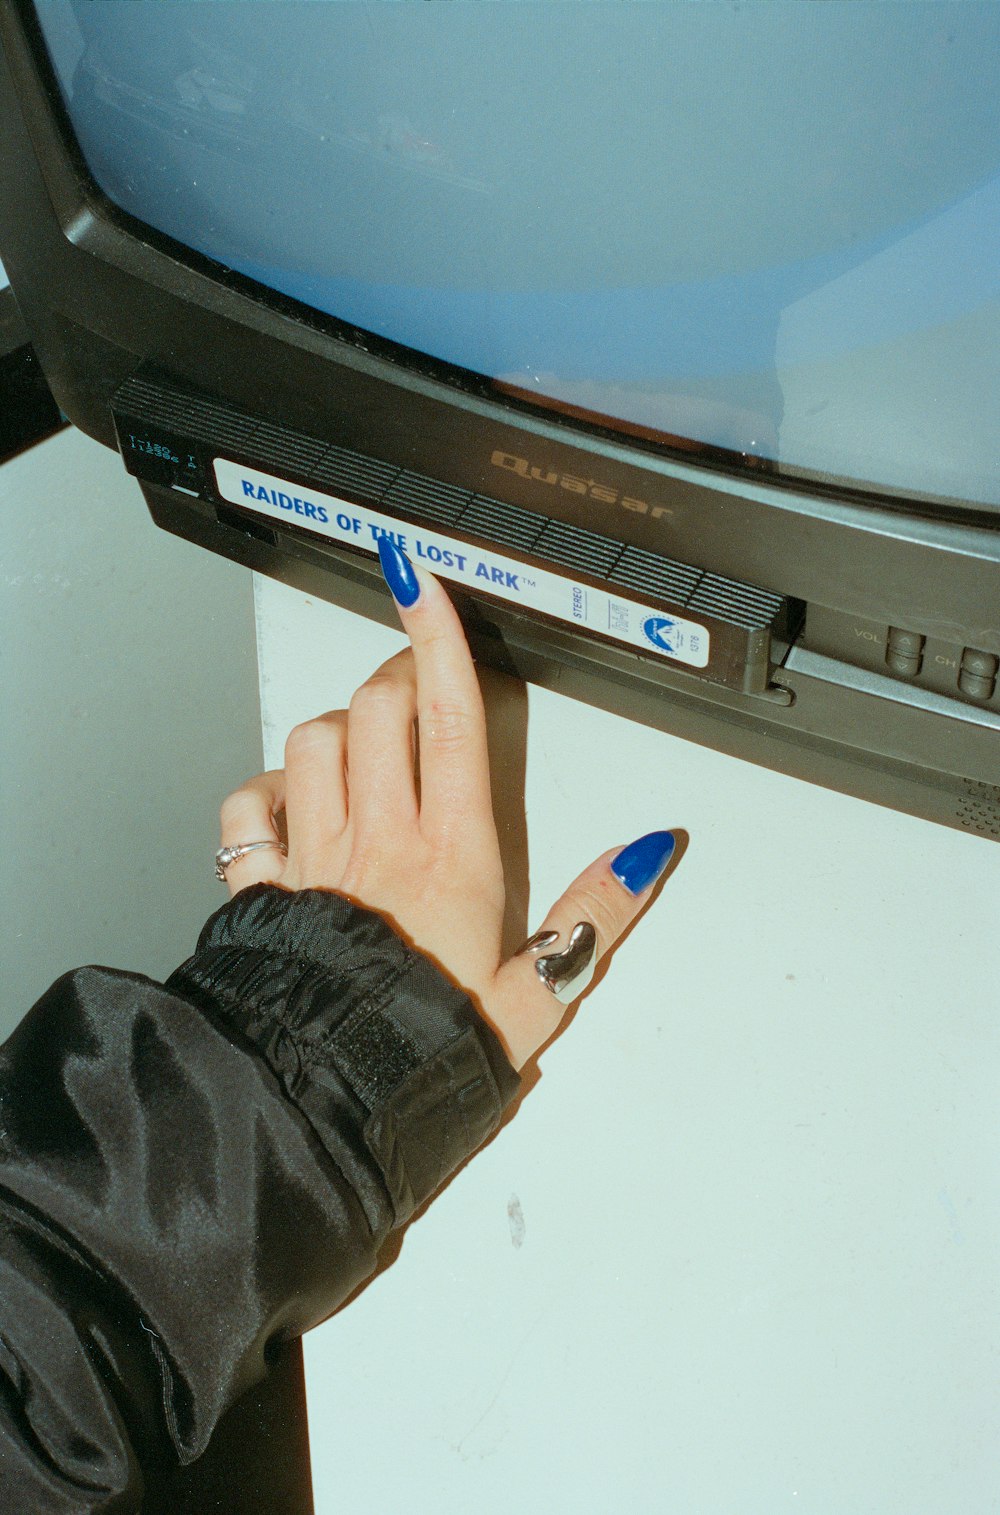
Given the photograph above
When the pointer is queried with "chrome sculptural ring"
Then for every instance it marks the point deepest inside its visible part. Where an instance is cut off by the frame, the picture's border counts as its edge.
(567, 973)
(227, 855)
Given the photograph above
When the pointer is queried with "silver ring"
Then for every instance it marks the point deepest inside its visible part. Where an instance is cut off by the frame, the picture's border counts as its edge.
(567, 973)
(227, 855)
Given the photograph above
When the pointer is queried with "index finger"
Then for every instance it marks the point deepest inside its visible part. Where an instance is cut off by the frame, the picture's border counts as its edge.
(451, 723)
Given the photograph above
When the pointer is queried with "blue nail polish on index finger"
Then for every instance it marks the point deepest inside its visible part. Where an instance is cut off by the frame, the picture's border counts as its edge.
(640, 864)
(398, 573)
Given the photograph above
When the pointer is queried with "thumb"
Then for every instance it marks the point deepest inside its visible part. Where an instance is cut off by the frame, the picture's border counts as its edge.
(607, 896)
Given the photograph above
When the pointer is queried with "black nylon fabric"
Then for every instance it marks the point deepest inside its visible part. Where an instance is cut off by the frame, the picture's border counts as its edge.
(193, 1170)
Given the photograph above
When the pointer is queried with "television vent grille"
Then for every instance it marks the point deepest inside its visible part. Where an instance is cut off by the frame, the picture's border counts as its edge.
(505, 523)
(286, 448)
(189, 415)
(979, 809)
(646, 571)
(439, 502)
(352, 473)
(579, 549)
(740, 604)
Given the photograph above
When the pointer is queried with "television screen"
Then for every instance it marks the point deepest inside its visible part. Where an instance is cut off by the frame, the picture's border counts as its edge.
(768, 229)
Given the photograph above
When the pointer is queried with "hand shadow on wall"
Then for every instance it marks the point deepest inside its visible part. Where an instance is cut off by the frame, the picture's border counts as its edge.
(506, 702)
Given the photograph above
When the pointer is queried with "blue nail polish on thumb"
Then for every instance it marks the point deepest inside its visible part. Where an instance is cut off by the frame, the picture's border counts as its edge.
(398, 573)
(640, 863)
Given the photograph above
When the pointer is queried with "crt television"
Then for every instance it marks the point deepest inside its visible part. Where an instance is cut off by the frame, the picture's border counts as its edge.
(669, 334)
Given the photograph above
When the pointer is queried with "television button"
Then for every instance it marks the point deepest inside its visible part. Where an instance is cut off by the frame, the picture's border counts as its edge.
(977, 675)
(910, 643)
(904, 651)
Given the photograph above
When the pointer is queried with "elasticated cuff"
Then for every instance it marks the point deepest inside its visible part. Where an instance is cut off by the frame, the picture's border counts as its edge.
(354, 1022)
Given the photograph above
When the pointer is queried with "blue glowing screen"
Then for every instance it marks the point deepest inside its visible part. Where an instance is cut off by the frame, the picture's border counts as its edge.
(772, 228)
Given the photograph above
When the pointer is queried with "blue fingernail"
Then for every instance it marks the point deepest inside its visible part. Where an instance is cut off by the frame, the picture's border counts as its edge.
(398, 571)
(640, 863)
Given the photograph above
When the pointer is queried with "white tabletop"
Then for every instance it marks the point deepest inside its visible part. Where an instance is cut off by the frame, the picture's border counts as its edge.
(737, 1253)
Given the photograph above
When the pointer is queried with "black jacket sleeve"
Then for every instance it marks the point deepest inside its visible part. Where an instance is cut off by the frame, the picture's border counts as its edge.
(191, 1171)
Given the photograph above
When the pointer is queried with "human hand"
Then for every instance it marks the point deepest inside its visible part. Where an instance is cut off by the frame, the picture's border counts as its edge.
(424, 853)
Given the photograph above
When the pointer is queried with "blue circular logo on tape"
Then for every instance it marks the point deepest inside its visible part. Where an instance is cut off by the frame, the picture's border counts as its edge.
(657, 629)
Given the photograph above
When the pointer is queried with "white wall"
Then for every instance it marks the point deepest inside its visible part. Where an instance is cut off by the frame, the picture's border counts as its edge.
(737, 1252)
(128, 681)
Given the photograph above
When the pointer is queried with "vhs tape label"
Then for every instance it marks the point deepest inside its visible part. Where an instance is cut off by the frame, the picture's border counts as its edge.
(547, 590)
